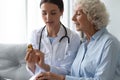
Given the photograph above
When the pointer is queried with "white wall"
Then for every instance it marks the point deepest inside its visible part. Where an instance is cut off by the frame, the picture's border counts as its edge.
(12, 21)
(13, 18)
(113, 7)
(19, 17)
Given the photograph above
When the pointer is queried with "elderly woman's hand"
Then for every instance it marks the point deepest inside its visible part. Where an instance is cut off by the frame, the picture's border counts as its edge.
(49, 76)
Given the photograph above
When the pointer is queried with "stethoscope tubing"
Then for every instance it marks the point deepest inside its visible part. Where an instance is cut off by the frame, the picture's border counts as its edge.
(65, 36)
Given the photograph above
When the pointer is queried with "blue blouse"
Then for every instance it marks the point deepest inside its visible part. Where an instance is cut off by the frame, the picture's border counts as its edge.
(98, 59)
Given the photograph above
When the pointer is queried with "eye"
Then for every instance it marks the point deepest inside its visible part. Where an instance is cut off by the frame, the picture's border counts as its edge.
(53, 13)
(78, 13)
(44, 13)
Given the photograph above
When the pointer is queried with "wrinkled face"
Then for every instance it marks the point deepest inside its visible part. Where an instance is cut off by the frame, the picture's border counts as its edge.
(51, 14)
(80, 19)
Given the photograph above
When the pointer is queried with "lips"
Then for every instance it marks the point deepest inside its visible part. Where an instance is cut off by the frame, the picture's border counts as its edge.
(76, 24)
(49, 22)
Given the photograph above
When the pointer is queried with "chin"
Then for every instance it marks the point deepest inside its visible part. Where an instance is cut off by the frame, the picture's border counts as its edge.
(77, 29)
(49, 25)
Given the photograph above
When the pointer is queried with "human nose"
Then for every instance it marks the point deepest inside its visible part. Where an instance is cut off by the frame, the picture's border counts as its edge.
(74, 17)
(48, 16)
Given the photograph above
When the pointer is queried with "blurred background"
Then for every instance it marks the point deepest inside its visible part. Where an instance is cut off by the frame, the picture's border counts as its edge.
(18, 18)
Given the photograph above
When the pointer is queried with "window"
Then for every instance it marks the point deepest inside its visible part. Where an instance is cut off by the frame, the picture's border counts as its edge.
(19, 17)
(12, 21)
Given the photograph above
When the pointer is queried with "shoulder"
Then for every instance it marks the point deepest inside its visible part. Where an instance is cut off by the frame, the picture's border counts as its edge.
(37, 31)
(110, 40)
(109, 37)
(104, 36)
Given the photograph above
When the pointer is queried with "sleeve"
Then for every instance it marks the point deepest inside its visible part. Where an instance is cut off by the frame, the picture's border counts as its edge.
(37, 70)
(65, 65)
(33, 39)
(107, 66)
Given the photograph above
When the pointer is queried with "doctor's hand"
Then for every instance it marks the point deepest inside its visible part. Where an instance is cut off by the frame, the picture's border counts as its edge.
(40, 60)
(49, 76)
(30, 58)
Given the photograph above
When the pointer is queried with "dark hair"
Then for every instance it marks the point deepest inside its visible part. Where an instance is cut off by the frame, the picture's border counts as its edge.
(59, 3)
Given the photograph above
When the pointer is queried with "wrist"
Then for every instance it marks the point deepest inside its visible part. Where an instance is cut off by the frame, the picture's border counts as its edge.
(46, 67)
(32, 68)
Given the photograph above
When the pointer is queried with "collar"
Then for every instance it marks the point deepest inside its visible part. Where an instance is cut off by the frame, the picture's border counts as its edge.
(97, 35)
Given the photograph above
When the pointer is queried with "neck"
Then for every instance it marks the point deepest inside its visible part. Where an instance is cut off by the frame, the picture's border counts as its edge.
(90, 33)
(52, 31)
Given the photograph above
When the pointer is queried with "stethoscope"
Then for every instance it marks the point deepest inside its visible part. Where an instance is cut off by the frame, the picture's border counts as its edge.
(65, 36)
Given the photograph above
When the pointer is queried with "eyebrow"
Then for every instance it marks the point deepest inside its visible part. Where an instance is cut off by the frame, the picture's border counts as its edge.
(81, 11)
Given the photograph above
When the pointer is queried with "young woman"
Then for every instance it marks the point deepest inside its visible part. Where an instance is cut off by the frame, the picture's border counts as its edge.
(54, 45)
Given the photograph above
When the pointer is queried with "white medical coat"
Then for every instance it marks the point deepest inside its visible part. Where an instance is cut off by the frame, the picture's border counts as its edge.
(59, 55)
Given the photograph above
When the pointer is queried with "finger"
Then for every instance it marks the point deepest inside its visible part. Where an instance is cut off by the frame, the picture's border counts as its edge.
(37, 59)
(39, 76)
(29, 49)
(27, 54)
(30, 56)
(38, 56)
(43, 78)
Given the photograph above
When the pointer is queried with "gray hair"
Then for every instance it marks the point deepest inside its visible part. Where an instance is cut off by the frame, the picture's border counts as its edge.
(95, 11)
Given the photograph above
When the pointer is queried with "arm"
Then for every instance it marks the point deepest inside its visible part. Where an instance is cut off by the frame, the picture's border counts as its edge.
(30, 58)
(107, 65)
(33, 42)
(64, 66)
(49, 76)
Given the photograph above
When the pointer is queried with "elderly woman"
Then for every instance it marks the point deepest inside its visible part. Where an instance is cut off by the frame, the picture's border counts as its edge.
(97, 58)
